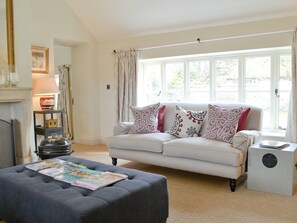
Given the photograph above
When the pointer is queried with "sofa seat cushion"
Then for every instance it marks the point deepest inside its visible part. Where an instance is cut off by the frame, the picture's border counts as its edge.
(204, 149)
(152, 142)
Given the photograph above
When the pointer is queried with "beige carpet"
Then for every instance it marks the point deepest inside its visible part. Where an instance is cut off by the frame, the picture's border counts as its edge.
(200, 198)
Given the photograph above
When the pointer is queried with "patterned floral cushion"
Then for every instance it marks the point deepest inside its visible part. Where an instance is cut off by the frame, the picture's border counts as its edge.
(222, 123)
(187, 123)
(146, 120)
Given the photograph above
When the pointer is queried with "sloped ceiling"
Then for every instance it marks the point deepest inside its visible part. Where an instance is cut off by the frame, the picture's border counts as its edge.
(114, 19)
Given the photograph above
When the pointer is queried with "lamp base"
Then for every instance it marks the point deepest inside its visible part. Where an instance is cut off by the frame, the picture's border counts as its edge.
(47, 103)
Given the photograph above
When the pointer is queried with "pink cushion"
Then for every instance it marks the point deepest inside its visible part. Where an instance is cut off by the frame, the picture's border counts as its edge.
(161, 118)
(242, 119)
(222, 123)
(145, 119)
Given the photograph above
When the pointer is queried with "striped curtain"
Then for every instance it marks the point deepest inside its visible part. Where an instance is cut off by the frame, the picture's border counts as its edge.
(126, 73)
(65, 100)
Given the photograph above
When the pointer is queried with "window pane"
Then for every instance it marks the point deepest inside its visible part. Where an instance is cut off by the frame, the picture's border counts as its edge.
(285, 83)
(283, 109)
(226, 75)
(257, 73)
(262, 100)
(257, 83)
(199, 75)
(198, 96)
(285, 73)
(174, 96)
(174, 81)
(152, 82)
(227, 96)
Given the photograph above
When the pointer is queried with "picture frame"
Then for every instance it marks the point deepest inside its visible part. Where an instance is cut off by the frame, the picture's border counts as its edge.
(39, 59)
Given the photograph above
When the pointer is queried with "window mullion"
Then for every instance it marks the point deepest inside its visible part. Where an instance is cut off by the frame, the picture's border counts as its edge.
(186, 80)
(212, 92)
(241, 76)
(163, 72)
(275, 67)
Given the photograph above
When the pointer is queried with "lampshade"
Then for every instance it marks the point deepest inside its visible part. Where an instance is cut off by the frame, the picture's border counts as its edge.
(46, 86)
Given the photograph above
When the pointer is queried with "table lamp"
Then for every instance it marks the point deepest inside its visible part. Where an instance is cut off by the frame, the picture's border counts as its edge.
(46, 88)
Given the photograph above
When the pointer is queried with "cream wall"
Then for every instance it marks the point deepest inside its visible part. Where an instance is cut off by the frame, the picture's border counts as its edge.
(42, 23)
(62, 55)
(106, 60)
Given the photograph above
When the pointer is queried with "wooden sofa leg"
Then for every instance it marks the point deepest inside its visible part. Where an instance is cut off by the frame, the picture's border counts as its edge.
(232, 184)
(114, 161)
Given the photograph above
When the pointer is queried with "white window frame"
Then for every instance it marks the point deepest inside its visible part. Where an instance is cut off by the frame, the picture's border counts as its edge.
(273, 53)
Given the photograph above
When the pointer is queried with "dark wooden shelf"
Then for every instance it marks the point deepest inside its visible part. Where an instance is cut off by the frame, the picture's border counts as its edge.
(48, 131)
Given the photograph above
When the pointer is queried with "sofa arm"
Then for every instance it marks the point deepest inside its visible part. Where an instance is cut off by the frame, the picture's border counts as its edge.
(122, 128)
(243, 139)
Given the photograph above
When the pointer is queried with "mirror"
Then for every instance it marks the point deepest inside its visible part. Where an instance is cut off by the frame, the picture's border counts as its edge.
(7, 60)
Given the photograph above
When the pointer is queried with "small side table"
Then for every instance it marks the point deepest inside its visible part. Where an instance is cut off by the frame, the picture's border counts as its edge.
(272, 170)
(45, 130)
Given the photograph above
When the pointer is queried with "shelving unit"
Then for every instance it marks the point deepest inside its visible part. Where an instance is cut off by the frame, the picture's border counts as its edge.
(47, 131)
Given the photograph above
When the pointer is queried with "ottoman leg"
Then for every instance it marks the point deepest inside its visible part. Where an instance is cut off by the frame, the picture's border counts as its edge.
(114, 161)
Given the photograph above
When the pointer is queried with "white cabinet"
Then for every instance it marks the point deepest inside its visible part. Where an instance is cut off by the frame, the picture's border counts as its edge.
(272, 170)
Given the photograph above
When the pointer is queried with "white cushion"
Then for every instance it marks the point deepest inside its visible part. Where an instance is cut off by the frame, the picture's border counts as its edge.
(204, 149)
(152, 142)
(187, 123)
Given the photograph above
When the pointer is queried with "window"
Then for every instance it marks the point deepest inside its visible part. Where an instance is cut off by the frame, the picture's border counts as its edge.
(259, 77)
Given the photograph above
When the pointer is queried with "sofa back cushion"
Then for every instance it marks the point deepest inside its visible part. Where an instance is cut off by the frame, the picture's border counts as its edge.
(253, 120)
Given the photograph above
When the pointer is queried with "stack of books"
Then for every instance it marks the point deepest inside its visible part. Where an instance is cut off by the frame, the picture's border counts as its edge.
(273, 144)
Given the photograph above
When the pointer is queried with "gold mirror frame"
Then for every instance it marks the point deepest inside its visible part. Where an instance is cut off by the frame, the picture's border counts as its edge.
(10, 35)
(7, 33)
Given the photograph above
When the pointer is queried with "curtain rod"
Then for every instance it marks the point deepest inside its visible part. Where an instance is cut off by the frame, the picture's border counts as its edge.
(215, 39)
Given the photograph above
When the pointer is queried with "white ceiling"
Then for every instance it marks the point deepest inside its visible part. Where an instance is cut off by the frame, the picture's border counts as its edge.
(113, 19)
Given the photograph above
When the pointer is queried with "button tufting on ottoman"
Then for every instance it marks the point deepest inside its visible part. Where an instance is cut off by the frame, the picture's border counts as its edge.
(27, 196)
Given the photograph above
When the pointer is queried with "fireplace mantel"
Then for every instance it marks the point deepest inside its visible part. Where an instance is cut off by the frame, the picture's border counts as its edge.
(20, 101)
(15, 94)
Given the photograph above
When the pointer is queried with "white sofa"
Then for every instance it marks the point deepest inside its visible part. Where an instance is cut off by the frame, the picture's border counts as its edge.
(196, 154)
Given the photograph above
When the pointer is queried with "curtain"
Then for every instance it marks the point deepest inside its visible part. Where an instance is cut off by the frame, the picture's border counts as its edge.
(291, 133)
(65, 99)
(126, 73)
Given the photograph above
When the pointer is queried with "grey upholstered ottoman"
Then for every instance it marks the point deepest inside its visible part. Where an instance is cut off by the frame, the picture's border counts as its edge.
(27, 196)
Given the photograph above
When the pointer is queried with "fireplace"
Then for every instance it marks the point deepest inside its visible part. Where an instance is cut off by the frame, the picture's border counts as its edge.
(7, 143)
(16, 103)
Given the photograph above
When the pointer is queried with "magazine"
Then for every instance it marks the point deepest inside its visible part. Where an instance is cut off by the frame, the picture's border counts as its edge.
(273, 144)
(97, 181)
(45, 164)
(75, 174)
(64, 167)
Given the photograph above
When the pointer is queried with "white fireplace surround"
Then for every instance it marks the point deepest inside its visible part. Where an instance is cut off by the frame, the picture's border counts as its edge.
(19, 101)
